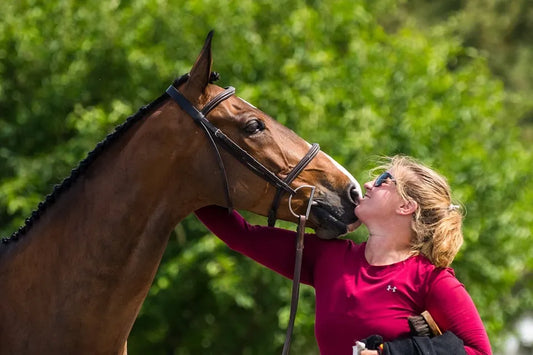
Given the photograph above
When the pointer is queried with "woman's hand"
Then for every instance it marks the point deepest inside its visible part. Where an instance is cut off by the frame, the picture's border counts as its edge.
(367, 345)
(369, 352)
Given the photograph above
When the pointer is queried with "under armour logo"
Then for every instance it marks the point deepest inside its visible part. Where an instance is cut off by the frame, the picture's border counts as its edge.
(391, 288)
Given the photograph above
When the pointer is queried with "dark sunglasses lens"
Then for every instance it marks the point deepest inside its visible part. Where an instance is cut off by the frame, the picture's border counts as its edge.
(381, 179)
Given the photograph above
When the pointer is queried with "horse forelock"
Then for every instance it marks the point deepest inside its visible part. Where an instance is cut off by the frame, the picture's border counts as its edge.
(77, 172)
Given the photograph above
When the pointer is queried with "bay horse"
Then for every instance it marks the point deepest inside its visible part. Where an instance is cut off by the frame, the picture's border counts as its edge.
(73, 278)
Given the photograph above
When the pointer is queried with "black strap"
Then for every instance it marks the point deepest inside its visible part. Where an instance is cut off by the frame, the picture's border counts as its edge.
(295, 282)
(221, 167)
(230, 90)
(199, 118)
(272, 214)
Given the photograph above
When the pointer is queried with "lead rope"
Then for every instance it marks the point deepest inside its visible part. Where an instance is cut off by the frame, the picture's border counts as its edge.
(300, 231)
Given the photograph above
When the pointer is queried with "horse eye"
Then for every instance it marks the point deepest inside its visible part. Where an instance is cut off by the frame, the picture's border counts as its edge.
(254, 126)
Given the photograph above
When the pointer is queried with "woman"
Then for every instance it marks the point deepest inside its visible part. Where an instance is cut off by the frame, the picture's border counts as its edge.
(372, 288)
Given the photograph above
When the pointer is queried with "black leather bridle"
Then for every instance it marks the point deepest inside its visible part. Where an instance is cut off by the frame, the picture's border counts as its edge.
(215, 136)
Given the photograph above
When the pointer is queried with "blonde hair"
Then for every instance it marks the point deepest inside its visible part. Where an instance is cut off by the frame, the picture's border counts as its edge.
(437, 221)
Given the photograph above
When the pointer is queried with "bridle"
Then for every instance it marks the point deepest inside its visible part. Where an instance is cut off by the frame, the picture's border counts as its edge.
(215, 136)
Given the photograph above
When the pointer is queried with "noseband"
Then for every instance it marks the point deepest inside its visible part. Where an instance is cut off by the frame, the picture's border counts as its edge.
(215, 136)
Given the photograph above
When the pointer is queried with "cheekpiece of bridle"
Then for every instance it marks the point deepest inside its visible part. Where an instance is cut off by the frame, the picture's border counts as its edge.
(217, 137)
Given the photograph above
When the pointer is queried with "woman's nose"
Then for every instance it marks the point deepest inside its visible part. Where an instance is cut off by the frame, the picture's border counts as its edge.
(368, 185)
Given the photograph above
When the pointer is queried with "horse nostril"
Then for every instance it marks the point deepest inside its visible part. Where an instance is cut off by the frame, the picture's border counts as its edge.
(353, 193)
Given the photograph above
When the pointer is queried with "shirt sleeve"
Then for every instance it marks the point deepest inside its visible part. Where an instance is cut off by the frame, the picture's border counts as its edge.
(272, 247)
(453, 309)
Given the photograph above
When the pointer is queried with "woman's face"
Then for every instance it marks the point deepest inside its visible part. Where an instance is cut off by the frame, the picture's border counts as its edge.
(381, 199)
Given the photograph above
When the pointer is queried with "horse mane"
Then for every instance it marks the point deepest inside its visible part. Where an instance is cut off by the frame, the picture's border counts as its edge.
(82, 168)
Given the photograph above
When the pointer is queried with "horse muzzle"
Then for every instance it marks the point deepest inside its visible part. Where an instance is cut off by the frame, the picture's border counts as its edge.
(331, 214)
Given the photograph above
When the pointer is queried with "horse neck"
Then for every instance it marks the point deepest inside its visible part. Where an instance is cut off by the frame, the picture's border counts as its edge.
(82, 272)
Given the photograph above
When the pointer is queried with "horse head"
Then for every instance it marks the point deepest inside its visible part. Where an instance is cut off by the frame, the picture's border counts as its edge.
(275, 147)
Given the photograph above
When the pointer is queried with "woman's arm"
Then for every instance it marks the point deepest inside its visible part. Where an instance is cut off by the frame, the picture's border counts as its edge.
(456, 315)
(453, 309)
(271, 247)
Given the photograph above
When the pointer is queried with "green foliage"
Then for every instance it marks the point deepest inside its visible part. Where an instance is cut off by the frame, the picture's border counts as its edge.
(499, 28)
(336, 72)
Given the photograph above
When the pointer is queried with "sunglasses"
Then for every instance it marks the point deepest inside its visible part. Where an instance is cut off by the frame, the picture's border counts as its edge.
(382, 178)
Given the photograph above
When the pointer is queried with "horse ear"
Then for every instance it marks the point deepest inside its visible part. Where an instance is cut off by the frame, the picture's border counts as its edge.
(201, 70)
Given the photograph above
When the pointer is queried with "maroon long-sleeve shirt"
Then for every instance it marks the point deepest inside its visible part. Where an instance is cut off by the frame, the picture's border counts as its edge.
(353, 298)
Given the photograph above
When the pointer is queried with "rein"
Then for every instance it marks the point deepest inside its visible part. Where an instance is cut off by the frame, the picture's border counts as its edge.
(300, 233)
(215, 136)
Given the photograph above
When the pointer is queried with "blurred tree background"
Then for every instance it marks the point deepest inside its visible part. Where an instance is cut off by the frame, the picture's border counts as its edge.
(448, 82)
